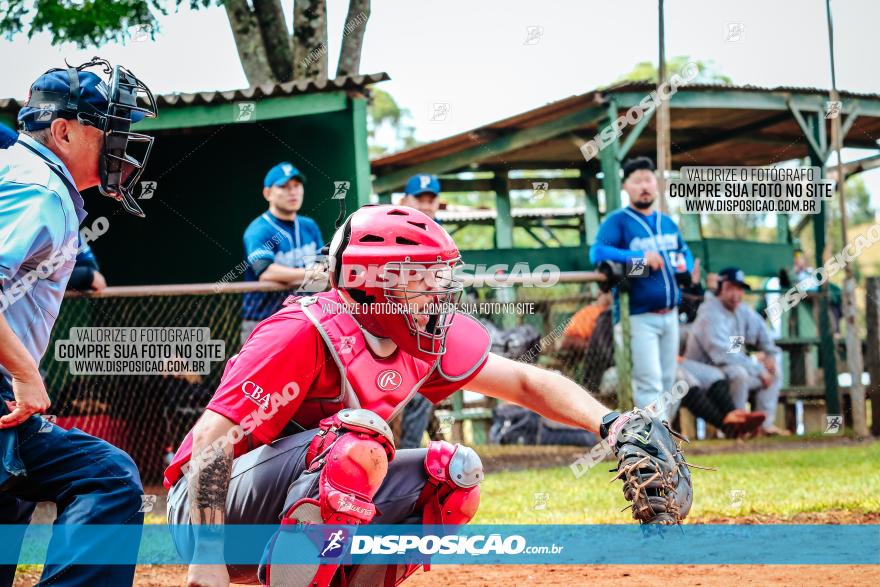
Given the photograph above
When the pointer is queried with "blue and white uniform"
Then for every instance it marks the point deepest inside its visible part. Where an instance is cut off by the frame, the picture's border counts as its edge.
(268, 239)
(40, 214)
(625, 236)
(90, 481)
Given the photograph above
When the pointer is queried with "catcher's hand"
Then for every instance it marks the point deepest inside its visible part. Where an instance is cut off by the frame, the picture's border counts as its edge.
(655, 475)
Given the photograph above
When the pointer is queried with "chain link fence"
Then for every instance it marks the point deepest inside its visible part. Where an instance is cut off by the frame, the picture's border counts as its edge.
(148, 415)
(566, 327)
(145, 415)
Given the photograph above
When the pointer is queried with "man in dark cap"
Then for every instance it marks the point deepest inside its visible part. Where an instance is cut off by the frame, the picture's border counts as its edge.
(649, 244)
(75, 135)
(723, 333)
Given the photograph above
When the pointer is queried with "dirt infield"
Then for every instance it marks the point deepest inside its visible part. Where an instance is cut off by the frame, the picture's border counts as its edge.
(661, 576)
(611, 575)
(596, 575)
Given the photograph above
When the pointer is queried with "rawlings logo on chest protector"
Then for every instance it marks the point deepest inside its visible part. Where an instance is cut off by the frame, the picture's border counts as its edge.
(380, 384)
(388, 380)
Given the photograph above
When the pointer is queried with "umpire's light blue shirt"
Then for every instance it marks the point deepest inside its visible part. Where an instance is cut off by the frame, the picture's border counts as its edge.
(40, 214)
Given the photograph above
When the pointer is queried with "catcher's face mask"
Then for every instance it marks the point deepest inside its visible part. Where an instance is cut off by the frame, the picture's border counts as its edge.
(125, 153)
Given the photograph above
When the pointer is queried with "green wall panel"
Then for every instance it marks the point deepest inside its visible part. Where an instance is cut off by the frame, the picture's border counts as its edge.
(209, 189)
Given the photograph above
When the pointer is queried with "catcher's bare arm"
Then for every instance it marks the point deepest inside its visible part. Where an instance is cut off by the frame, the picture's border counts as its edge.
(655, 474)
(545, 392)
(208, 488)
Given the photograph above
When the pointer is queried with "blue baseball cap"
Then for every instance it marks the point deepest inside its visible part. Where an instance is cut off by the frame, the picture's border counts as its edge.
(50, 98)
(733, 275)
(281, 174)
(422, 184)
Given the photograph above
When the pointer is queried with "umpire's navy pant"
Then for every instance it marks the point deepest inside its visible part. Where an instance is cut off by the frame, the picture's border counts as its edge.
(90, 481)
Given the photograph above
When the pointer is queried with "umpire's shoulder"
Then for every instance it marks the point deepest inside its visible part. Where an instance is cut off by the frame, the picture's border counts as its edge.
(21, 167)
(30, 192)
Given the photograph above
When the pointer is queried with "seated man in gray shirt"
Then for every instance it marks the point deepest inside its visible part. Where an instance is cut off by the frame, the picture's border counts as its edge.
(720, 335)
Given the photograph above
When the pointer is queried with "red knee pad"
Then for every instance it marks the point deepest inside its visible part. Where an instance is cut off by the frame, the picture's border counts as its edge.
(352, 451)
(355, 468)
(451, 496)
(452, 493)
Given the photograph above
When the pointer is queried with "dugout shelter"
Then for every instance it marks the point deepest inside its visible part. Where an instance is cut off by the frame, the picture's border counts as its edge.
(211, 152)
(711, 125)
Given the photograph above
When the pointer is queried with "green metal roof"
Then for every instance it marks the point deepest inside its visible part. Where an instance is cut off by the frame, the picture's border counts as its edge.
(297, 98)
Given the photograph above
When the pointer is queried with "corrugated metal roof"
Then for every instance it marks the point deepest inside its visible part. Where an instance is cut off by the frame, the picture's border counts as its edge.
(305, 86)
(648, 85)
(561, 150)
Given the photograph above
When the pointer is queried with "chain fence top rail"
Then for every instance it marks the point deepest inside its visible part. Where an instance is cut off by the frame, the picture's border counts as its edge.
(239, 287)
(148, 415)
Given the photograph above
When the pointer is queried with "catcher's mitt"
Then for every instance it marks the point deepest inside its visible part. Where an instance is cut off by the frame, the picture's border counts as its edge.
(656, 478)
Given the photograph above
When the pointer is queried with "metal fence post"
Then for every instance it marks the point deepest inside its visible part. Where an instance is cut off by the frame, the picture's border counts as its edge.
(623, 356)
(872, 346)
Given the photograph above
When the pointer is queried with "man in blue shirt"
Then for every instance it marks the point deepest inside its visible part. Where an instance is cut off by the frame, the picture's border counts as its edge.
(281, 245)
(422, 192)
(86, 275)
(649, 244)
(61, 150)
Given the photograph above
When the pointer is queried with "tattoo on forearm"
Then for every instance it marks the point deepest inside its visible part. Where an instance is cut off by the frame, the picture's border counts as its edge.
(208, 490)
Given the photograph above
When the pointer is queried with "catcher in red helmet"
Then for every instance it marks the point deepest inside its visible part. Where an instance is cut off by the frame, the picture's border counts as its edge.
(297, 430)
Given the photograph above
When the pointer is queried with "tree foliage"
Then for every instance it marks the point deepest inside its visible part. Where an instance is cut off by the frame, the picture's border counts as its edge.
(384, 112)
(647, 71)
(858, 210)
(268, 51)
(85, 22)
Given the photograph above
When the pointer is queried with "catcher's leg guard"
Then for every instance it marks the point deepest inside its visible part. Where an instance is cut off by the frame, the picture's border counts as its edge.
(452, 493)
(450, 497)
(352, 453)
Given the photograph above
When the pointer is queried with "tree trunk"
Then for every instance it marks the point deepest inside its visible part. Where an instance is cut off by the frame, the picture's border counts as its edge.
(310, 39)
(276, 39)
(353, 38)
(248, 42)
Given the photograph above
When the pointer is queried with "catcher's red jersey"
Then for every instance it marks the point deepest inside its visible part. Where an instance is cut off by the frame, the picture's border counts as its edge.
(308, 345)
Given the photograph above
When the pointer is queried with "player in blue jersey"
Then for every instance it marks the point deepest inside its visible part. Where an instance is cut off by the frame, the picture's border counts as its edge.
(649, 244)
(280, 244)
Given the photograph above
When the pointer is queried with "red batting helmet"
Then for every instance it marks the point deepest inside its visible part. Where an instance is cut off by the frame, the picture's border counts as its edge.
(398, 265)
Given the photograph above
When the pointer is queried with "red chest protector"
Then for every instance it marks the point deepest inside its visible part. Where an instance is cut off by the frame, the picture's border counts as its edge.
(385, 385)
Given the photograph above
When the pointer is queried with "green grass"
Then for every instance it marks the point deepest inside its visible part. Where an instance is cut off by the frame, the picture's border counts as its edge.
(780, 483)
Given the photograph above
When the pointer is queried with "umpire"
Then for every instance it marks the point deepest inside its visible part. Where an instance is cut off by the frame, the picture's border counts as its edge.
(75, 134)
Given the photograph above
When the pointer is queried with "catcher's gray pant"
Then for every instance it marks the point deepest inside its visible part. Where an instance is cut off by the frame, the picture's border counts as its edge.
(766, 398)
(267, 481)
